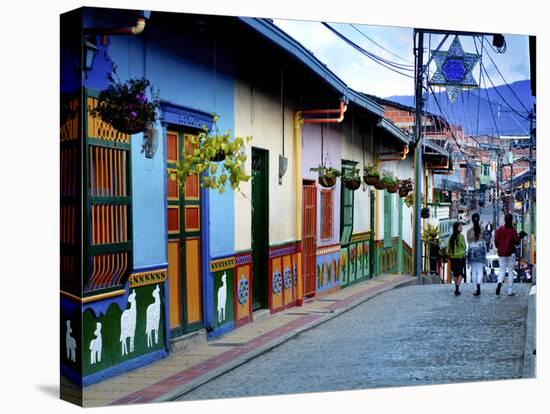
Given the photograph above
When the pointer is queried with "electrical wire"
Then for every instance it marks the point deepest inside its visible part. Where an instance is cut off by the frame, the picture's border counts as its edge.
(381, 62)
(382, 47)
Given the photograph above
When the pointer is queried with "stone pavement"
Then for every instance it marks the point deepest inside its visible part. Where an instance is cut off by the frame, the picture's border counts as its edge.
(183, 371)
(416, 335)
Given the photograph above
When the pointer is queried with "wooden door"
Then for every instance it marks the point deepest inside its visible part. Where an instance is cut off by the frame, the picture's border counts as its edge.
(260, 228)
(309, 235)
(184, 242)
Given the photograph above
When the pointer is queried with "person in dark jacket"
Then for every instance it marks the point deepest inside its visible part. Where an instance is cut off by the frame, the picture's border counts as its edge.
(488, 235)
(506, 239)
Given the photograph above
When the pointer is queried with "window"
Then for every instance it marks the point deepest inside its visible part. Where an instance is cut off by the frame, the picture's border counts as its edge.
(388, 213)
(326, 214)
(346, 211)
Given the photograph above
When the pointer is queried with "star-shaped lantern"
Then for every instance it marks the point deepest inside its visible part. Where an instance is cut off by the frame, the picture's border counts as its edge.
(454, 69)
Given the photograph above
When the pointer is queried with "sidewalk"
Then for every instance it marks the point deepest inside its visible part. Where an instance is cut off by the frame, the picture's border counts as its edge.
(185, 370)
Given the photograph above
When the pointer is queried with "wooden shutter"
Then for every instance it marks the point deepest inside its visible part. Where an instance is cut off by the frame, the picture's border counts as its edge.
(326, 214)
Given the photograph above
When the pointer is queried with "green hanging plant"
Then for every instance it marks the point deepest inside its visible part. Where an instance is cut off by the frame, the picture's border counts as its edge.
(327, 175)
(352, 179)
(203, 153)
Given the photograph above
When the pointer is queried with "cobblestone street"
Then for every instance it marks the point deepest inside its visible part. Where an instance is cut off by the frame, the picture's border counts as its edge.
(409, 336)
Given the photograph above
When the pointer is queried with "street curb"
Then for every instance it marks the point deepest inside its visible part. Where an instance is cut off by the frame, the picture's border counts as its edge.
(184, 389)
(530, 359)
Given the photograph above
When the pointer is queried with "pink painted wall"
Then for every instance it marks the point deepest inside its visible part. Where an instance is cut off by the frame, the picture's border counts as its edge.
(311, 157)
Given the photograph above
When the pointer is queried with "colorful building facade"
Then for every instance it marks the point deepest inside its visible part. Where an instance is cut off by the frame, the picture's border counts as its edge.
(145, 266)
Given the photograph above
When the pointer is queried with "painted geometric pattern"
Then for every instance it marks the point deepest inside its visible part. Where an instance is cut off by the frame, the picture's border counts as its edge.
(101, 130)
(277, 282)
(69, 129)
(222, 264)
(147, 278)
(287, 278)
(243, 290)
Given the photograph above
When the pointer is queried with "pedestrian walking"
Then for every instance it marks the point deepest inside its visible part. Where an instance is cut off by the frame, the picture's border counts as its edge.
(488, 236)
(457, 250)
(506, 238)
(476, 253)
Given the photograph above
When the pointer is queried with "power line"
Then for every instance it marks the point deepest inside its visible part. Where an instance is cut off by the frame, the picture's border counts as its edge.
(506, 83)
(393, 67)
(382, 47)
(484, 69)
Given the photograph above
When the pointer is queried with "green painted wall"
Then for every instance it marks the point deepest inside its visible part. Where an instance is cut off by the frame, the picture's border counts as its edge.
(110, 332)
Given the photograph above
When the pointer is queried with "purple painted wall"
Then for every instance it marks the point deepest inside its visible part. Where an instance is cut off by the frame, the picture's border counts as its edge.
(329, 139)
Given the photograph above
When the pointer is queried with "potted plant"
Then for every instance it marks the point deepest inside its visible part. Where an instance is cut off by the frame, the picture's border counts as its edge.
(385, 180)
(392, 185)
(125, 105)
(371, 176)
(327, 175)
(405, 187)
(202, 155)
(352, 179)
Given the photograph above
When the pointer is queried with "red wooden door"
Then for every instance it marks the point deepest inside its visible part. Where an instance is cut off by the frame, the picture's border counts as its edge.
(309, 235)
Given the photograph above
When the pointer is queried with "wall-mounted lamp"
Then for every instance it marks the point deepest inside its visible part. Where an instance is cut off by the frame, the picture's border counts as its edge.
(90, 52)
(283, 165)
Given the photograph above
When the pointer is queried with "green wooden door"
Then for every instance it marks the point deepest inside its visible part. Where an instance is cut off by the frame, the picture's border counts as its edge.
(184, 241)
(260, 227)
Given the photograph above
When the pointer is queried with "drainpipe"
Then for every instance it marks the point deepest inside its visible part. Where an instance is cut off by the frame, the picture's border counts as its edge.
(132, 30)
(298, 121)
(395, 156)
(340, 111)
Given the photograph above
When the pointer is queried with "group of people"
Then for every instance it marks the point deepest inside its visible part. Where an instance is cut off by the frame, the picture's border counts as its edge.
(474, 254)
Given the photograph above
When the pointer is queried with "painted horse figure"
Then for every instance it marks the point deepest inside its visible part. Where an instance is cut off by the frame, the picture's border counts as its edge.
(128, 324)
(153, 319)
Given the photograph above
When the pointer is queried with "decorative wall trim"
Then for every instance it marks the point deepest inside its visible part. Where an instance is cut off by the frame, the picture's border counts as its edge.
(360, 237)
(147, 278)
(283, 250)
(94, 298)
(335, 248)
(243, 258)
(222, 264)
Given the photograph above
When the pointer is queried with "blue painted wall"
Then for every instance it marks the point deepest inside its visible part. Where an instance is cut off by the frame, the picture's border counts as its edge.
(182, 69)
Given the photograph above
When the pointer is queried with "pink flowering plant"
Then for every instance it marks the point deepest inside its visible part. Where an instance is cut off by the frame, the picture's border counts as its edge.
(125, 105)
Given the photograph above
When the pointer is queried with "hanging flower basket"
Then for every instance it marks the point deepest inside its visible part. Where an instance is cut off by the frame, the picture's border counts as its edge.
(220, 156)
(371, 179)
(392, 189)
(379, 185)
(353, 184)
(327, 175)
(425, 213)
(351, 178)
(405, 187)
(126, 106)
(389, 182)
(326, 181)
(371, 176)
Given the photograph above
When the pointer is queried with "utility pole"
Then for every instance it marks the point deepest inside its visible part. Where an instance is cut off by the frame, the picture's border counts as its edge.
(497, 198)
(531, 182)
(419, 76)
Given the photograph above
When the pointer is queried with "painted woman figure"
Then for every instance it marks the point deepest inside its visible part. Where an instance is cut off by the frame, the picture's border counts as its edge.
(457, 250)
(477, 253)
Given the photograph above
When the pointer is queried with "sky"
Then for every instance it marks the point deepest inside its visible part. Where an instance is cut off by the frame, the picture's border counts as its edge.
(363, 74)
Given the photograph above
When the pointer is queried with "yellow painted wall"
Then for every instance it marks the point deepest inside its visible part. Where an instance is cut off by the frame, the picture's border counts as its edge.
(258, 114)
